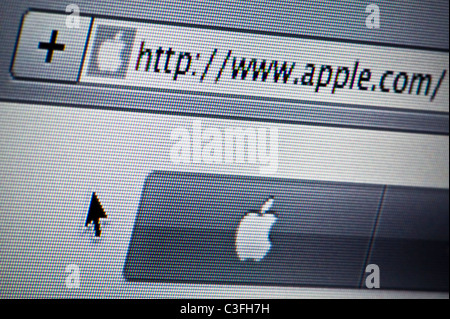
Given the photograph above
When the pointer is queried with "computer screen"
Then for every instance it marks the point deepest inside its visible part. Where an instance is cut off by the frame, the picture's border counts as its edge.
(224, 149)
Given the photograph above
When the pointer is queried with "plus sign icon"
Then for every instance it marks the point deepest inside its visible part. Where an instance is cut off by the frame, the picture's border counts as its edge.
(51, 46)
(47, 49)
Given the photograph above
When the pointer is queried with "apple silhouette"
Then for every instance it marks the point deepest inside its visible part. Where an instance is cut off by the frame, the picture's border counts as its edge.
(109, 55)
(252, 236)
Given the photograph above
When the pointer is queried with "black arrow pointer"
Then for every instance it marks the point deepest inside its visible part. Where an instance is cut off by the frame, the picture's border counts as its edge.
(95, 213)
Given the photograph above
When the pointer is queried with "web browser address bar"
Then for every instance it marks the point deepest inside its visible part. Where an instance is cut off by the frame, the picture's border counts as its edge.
(236, 63)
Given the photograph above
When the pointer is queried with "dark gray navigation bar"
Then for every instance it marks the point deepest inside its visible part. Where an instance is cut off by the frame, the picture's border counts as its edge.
(223, 229)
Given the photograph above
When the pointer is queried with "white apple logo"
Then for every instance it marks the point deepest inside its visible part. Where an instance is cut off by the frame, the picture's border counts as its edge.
(109, 56)
(252, 236)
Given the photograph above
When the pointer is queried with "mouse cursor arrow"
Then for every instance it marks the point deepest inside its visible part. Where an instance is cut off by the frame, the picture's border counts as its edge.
(94, 214)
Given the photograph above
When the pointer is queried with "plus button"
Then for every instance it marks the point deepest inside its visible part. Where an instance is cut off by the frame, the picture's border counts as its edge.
(51, 46)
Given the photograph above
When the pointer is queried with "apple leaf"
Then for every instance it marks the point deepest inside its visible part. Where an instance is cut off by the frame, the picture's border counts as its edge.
(267, 205)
